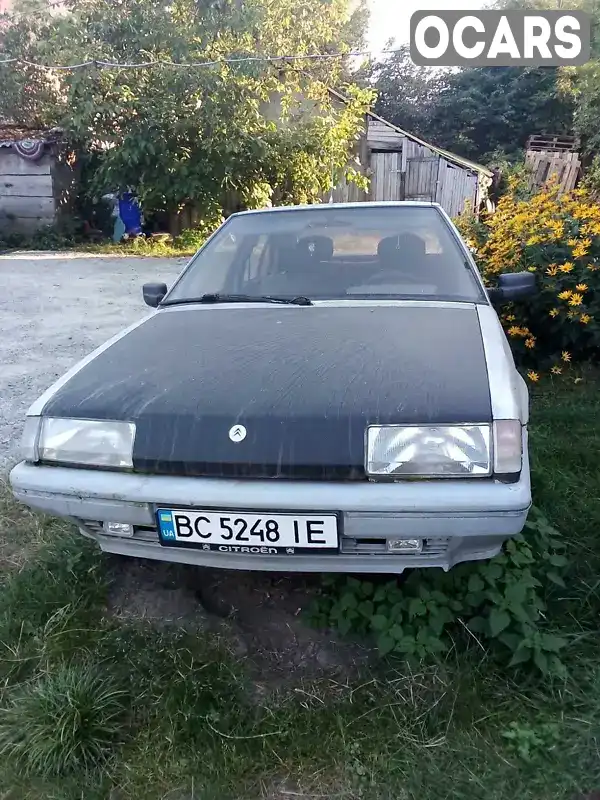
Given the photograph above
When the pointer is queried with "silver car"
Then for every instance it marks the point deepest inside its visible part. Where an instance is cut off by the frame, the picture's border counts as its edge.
(324, 388)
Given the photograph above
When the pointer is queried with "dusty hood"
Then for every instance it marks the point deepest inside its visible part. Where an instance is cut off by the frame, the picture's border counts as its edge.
(304, 381)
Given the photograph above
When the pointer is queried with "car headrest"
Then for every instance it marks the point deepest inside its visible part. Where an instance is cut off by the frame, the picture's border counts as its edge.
(388, 247)
(401, 249)
(319, 248)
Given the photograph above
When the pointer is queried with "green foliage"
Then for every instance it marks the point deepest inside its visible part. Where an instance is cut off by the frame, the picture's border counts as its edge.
(529, 740)
(473, 112)
(501, 601)
(557, 237)
(406, 94)
(578, 86)
(49, 237)
(229, 135)
(479, 111)
(591, 178)
(65, 721)
(192, 239)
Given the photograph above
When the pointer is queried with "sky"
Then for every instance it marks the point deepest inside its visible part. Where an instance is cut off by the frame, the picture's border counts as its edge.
(391, 18)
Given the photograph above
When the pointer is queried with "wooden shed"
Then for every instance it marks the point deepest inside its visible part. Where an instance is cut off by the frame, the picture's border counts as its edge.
(399, 165)
(37, 178)
(402, 166)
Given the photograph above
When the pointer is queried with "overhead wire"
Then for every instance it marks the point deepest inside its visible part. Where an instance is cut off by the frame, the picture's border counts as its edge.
(194, 64)
(185, 64)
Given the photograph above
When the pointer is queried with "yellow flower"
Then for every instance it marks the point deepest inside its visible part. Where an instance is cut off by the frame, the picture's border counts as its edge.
(533, 376)
(552, 270)
(556, 371)
(510, 317)
(530, 343)
(585, 319)
(565, 295)
(573, 242)
(567, 267)
(582, 248)
(576, 300)
(514, 331)
(582, 287)
(555, 312)
(566, 357)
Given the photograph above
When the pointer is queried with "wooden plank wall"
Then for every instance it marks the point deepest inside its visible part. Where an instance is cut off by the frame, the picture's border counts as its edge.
(456, 188)
(401, 168)
(26, 192)
(547, 164)
(346, 192)
(382, 137)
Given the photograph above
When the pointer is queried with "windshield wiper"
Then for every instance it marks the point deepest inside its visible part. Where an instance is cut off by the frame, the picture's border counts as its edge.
(241, 298)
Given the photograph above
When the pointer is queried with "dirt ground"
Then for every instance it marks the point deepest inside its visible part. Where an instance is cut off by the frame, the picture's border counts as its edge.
(54, 310)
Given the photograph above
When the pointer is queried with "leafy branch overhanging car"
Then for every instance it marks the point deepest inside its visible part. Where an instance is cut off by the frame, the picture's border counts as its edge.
(323, 388)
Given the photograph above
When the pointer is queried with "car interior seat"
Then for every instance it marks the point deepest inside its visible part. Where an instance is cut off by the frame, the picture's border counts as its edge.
(405, 252)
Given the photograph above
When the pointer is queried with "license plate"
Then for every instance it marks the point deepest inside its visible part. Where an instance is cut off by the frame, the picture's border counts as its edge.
(248, 533)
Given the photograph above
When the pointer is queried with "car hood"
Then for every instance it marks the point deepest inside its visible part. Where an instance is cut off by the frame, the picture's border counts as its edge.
(305, 382)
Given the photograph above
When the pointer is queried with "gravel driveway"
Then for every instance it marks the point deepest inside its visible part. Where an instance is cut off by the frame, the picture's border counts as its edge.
(56, 308)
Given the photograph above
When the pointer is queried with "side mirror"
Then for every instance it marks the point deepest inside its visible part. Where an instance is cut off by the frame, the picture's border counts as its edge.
(154, 293)
(513, 286)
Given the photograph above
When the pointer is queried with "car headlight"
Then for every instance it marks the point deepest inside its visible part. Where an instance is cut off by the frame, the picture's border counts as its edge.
(445, 451)
(449, 451)
(84, 442)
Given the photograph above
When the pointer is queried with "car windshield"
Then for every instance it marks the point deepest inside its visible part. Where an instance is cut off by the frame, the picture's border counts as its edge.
(332, 253)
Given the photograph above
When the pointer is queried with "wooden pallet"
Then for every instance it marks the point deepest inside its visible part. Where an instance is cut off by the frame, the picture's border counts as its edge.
(565, 167)
(556, 144)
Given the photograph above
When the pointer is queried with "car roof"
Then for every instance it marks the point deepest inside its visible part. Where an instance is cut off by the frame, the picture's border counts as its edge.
(329, 206)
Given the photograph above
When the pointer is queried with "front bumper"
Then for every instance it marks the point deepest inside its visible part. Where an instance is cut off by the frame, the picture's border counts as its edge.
(458, 520)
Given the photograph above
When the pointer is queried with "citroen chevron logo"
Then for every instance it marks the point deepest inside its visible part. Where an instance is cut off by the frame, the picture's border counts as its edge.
(238, 433)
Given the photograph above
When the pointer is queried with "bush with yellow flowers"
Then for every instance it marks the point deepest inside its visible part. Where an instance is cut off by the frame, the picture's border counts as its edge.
(557, 237)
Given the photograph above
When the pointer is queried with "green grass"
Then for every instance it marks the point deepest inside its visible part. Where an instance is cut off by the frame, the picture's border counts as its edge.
(140, 247)
(149, 248)
(97, 708)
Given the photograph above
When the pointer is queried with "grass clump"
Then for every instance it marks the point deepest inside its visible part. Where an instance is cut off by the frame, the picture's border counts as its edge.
(61, 722)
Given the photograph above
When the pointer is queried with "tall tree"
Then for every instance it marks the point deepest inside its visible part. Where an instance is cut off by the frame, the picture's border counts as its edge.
(405, 93)
(474, 112)
(481, 111)
(183, 134)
